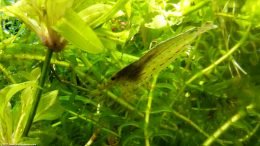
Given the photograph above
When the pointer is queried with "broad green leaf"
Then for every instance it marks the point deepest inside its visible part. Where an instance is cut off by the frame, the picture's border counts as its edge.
(8, 92)
(21, 116)
(49, 107)
(128, 8)
(33, 75)
(20, 10)
(93, 12)
(120, 37)
(75, 30)
(56, 9)
(106, 16)
(8, 116)
(40, 16)
(251, 8)
(6, 124)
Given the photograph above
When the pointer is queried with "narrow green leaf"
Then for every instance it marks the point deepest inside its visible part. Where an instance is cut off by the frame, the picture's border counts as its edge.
(75, 30)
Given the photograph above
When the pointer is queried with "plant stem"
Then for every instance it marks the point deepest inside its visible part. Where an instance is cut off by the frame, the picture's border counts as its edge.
(148, 110)
(221, 59)
(38, 91)
(7, 74)
(27, 56)
(224, 127)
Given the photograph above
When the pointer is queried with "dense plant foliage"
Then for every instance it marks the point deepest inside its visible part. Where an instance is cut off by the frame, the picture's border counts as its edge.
(59, 57)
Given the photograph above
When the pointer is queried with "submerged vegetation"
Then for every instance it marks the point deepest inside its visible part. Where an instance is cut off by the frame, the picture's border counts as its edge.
(138, 72)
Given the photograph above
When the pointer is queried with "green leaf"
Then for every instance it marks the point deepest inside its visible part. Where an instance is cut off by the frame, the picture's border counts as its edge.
(21, 116)
(106, 16)
(8, 92)
(49, 107)
(251, 8)
(6, 124)
(20, 10)
(9, 117)
(56, 9)
(93, 12)
(75, 30)
(120, 37)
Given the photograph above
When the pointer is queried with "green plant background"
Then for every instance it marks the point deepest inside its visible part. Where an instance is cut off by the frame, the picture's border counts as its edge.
(210, 95)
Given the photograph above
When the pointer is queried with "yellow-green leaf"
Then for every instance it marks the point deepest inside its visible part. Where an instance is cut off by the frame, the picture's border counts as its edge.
(75, 30)
(49, 107)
